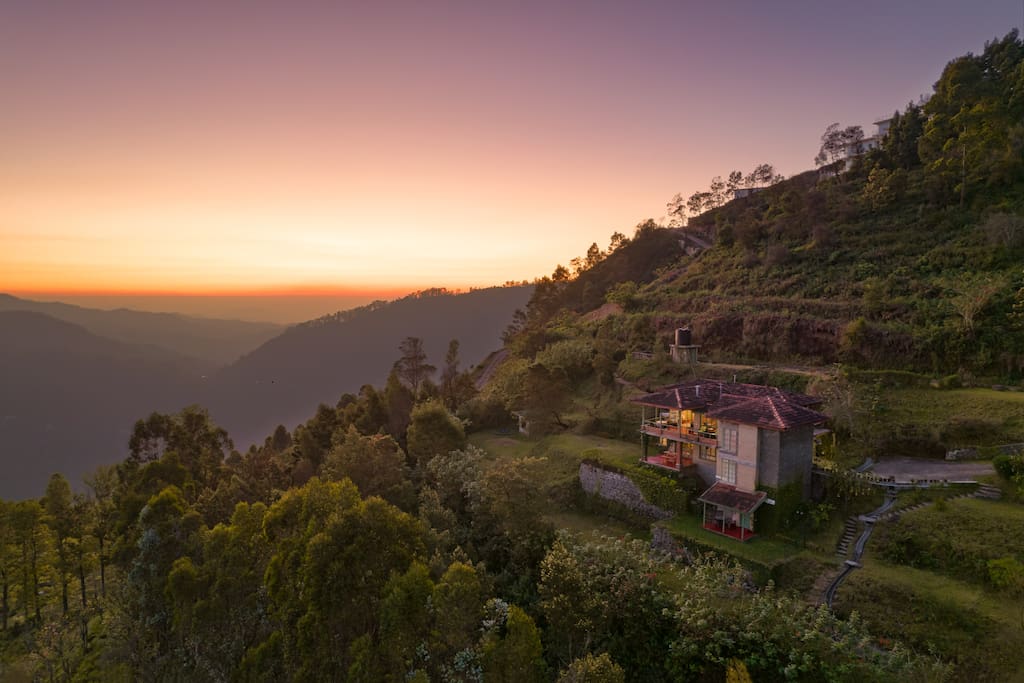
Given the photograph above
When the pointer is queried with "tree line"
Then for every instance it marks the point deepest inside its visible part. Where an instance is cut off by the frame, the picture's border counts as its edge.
(370, 543)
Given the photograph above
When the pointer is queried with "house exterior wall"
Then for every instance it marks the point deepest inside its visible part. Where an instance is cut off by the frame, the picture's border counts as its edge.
(746, 472)
(706, 469)
(797, 457)
(768, 457)
(744, 455)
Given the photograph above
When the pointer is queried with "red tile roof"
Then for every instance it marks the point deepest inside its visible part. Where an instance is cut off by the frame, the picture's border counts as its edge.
(727, 496)
(754, 404)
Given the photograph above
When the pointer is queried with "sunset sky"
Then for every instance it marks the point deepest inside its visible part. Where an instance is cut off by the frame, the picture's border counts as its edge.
(331, 147)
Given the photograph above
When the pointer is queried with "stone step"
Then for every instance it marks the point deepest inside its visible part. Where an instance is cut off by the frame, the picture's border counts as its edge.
(849, 533)
(988, 491)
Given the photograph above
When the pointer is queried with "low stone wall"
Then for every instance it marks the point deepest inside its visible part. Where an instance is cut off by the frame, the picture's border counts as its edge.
(619, 489)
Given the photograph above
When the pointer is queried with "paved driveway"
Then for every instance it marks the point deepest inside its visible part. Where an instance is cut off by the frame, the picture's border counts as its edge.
(905, 469)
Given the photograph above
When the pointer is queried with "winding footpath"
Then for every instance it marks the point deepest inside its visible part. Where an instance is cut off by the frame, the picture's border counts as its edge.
(858, 548)
(984, 491)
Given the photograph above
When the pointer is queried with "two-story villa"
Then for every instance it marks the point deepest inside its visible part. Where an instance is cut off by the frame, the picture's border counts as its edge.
(741, 437)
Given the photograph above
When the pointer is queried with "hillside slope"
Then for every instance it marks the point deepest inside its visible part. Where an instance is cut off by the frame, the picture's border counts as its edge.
(69, 398)
(284, 380)
(909, 260)
(216, 341)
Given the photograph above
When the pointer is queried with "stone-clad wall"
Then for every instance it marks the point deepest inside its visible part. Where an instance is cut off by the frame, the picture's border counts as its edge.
(618, 488)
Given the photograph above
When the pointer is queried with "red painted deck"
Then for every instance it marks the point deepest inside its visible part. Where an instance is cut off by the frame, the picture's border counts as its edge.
(668, 461)
(731, 530)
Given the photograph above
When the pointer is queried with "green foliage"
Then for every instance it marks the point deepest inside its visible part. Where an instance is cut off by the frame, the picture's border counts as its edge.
(784, 515)
(375, 464)
(602, 597)
(593, 669)
(959, 541)
(574, 357)
(1007, 574)
(979, 636)
(665, 492)
(433, 431)
(511, 647)
(715, 619)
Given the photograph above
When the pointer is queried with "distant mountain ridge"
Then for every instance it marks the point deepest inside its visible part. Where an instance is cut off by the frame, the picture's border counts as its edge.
(212, 340)
(69, 397)
(284, 380)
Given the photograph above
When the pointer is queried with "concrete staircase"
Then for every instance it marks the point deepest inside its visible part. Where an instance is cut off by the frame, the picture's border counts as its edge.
(849, 533)
(988, 492)
(984, 491)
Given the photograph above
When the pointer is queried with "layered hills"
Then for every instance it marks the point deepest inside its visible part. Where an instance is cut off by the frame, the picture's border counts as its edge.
(70, 395)
(284, 380)
(208, 339)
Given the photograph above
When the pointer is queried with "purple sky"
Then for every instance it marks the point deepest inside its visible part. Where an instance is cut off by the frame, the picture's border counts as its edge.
(171, 147)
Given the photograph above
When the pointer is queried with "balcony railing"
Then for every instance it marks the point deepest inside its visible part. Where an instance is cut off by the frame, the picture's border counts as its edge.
(665, 430)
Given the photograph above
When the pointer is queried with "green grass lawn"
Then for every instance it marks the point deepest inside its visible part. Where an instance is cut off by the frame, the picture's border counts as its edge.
(562, 454)
(981, 632)
(998, 414)
(956, 538)
(764, 551)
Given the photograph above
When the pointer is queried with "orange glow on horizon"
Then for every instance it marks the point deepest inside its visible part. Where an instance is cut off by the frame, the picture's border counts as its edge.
(325, 291)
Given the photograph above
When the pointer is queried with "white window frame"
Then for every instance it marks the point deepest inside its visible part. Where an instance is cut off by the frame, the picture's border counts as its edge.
(729, 438)
(730, 469)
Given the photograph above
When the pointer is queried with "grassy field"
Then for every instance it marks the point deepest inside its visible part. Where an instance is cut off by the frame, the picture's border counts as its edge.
(956, 538)
(957, 417)
(981, 632)
(925, 583)
(560, 456)
(764, 551)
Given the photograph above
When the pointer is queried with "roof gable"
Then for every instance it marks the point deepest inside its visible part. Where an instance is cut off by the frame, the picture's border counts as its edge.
(754, 404)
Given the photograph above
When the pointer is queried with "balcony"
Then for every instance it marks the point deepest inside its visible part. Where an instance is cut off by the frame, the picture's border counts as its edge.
(667, 430)
(668, 461)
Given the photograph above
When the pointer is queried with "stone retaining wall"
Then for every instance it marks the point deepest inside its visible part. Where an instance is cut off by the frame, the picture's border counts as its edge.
(618, 488)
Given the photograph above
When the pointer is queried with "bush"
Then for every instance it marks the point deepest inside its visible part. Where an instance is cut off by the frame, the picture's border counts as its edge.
(1009, 466)
(950, 382)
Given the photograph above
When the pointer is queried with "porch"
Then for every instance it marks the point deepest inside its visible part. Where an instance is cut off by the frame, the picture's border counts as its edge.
(733, 531)
(729, 511)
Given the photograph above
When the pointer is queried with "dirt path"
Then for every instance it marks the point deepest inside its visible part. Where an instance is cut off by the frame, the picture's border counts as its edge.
(810, 371)
(491, 364)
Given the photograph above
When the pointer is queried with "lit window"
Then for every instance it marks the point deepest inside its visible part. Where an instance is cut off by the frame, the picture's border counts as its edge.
(708, 425)
(728, 438)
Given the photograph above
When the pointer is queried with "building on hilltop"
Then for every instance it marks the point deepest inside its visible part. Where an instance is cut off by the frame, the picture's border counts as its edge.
(742, 437)
(865, 145)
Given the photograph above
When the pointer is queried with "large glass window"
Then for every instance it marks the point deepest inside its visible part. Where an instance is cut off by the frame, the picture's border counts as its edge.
(728, 438)
(729, 471)
(708, 425)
